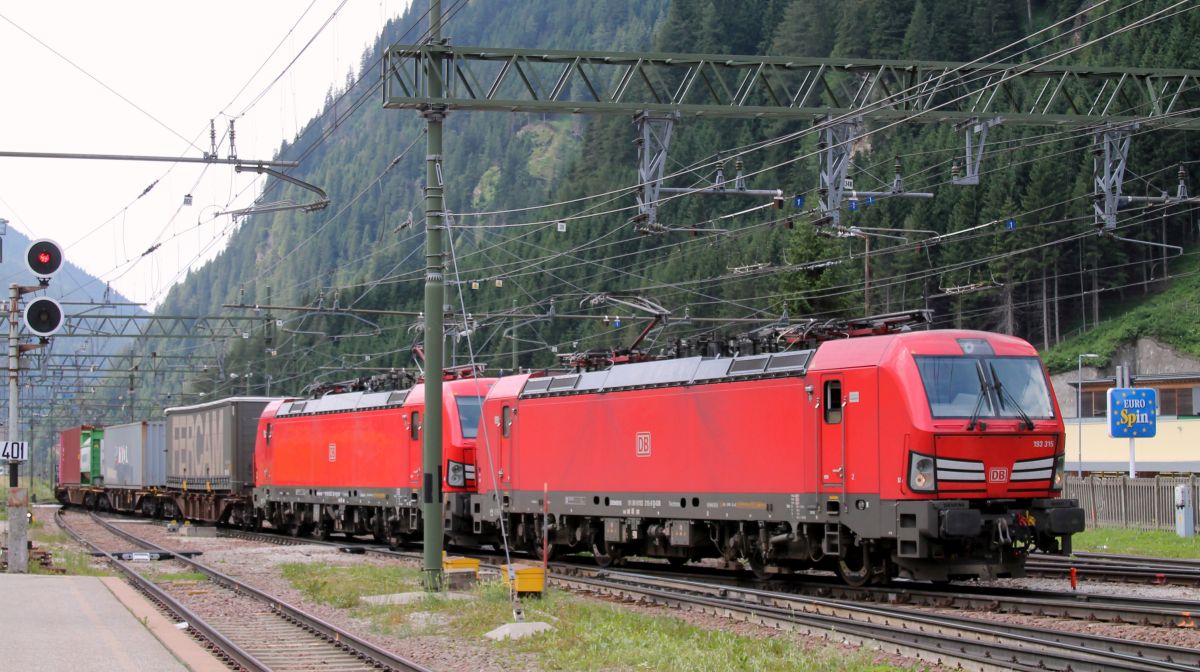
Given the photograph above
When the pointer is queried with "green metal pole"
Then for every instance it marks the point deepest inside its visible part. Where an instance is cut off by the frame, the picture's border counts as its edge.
(431, 463)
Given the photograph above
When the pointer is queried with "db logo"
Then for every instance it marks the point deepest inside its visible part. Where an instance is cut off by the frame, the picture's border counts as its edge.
(642, 448)
(997, 475)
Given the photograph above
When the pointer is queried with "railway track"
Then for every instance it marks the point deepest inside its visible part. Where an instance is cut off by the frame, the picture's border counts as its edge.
(1088, 607)
(252, 630)
(956, 640)
(886, 622)
(1166, 613)
(951, 640)
(1118, 568)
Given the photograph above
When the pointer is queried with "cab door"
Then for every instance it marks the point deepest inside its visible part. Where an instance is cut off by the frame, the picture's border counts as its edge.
(832, 423)
(412, 423)
(507, 428)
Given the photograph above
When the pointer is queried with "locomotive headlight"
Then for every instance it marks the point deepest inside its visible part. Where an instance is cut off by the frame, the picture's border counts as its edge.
(921, 477)
(1060, 469)
(455, 474)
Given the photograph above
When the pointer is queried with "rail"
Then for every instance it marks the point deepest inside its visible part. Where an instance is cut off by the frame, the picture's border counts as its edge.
(339, 637)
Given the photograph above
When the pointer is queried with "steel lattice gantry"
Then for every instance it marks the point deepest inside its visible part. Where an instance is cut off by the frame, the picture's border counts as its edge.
(86, 325)
(532, 80)
(838, 93)
(65, 373)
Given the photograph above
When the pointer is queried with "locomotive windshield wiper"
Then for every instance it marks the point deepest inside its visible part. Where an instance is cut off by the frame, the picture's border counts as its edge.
(1003, 393)
(978, 402)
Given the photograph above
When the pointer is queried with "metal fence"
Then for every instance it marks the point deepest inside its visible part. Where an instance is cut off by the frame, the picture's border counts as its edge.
(1139, 503)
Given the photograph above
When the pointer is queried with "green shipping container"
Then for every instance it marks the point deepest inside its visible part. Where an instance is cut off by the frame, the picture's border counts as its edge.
(89, 456)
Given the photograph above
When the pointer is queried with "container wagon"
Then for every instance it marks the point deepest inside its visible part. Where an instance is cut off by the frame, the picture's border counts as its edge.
(133, 460)
(210, 459)
(66, 487)
(79, 479)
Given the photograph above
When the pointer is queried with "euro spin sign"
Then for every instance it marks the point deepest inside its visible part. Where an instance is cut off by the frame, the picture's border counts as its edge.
(1132, 412)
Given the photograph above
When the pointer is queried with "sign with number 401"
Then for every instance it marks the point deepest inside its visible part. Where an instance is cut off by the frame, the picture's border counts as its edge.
(14, 451)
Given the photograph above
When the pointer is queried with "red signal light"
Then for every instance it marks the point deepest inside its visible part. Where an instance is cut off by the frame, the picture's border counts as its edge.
(44, 258)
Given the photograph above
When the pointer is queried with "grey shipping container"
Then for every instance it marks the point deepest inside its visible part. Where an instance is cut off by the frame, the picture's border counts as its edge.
(134, 455)
(210, 447)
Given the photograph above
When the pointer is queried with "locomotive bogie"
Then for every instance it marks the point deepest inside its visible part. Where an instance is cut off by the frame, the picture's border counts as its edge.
(388, 515)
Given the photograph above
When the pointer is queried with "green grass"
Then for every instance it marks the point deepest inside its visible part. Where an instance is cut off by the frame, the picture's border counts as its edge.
(64, 552)
(587, 635)
(1120, 541)
(343, 586)
(76, 563)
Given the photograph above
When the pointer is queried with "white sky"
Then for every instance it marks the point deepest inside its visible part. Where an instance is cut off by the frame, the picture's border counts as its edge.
(184, 63)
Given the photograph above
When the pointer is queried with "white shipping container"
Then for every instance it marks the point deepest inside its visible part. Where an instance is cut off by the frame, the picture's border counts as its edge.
(134, 455)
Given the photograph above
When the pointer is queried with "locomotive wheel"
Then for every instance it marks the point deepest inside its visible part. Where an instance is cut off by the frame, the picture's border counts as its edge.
(321, 531)
(758, 566)
(855, 569)
(604, 558)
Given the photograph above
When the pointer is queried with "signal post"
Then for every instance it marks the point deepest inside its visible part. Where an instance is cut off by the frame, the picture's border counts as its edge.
(43, 317)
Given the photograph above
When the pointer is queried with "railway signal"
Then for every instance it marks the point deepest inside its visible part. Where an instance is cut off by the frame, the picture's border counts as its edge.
(44, 258)
(43, 316)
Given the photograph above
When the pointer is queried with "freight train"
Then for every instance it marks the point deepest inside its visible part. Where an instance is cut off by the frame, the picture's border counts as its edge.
(869, 449)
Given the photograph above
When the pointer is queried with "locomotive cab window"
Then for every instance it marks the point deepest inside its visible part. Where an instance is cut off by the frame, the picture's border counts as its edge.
(506, 421)
(414, 426)
(985, 387)
(833, 401)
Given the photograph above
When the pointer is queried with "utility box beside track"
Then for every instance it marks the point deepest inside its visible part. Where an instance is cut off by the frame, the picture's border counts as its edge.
(1185, 511)
(524, 578)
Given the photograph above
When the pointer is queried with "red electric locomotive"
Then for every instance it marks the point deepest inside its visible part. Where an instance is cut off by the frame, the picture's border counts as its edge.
(351, 462)
(932, 455)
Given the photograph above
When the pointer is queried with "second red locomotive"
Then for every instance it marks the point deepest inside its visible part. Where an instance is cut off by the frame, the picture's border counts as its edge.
(351, 462)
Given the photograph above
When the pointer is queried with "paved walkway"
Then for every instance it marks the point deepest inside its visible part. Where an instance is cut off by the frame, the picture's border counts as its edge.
(74, 623)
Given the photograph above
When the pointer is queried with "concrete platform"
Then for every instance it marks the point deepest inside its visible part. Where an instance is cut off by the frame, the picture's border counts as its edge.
(410, 598)
(73, 623)
(518, 630)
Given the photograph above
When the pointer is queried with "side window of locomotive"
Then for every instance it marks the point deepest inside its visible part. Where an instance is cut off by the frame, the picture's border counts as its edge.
(833, 401)
(414, 427)
(469, 409)
(506, 421)
(267, 434)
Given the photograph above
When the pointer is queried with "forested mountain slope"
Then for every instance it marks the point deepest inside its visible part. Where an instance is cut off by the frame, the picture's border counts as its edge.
(540, 214)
